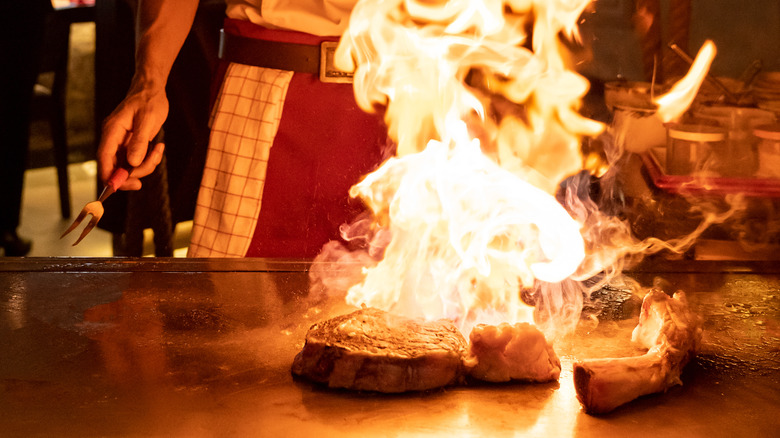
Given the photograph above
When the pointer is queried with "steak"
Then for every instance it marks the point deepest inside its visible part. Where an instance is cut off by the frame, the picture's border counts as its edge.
(372, 350)
(672, 334)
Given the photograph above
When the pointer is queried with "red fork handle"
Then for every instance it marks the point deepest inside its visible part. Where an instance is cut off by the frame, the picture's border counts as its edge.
(123, 170)
(118, 178)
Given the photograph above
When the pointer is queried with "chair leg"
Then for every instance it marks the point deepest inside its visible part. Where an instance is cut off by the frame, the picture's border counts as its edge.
(59, 138)
(59, 134)
(162, 223)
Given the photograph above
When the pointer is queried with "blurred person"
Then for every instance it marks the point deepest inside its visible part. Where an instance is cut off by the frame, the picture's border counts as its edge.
(21, 42)
(284, 147)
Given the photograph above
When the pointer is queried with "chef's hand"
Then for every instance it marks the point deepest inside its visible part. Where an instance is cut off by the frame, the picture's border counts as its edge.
(129, 130)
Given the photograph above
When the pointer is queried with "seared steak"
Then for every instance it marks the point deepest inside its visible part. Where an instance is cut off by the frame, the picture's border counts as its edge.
(372, 350)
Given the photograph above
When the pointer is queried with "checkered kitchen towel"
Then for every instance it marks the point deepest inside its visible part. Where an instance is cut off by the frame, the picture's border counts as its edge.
(243, 126)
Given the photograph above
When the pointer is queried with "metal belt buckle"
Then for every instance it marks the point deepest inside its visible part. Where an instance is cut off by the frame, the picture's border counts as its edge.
(329, 72)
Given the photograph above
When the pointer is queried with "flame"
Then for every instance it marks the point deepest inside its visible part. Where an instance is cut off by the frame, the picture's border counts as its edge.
(485, 117)
(486, 129)
(464, 240)
(677, 100)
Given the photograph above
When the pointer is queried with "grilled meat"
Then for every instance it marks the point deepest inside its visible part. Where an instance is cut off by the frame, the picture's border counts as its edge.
(372, 350)
(512, 352)
(672, 334)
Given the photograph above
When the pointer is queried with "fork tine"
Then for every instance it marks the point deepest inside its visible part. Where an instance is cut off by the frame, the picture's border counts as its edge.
(75, 223)
(95, 208)
(90, 225)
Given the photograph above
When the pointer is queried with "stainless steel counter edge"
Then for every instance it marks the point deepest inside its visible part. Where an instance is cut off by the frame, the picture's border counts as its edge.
(177, 264)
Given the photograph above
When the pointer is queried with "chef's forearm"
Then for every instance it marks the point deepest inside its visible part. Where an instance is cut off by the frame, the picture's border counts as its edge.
(161, 28)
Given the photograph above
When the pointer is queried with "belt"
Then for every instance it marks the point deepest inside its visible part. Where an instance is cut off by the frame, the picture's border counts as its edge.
(300, 58)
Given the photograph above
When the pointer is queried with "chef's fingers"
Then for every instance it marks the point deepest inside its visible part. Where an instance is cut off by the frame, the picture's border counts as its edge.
(147, 166)
(150, 162)
(146, 125)
(131, 184)
(144, 130)
(116, 130)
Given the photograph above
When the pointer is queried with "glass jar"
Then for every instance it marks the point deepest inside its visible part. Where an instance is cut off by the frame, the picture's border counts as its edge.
(694, 148)
(739, 122)
(768, 150)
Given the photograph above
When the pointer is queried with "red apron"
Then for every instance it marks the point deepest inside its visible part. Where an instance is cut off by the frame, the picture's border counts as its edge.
(324, 145)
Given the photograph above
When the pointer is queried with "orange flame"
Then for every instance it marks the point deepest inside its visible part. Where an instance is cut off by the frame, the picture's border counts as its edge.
(467, 235)
(677, 100)
(486, 130)
(472, 216)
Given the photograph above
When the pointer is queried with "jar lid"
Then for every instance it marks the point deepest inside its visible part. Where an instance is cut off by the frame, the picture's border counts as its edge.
(697, 132)
(769, 132)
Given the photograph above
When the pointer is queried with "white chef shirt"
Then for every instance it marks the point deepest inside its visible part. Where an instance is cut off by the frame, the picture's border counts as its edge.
(317, 17)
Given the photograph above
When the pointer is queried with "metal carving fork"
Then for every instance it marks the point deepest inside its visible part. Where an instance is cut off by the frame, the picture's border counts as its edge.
(95, 208)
